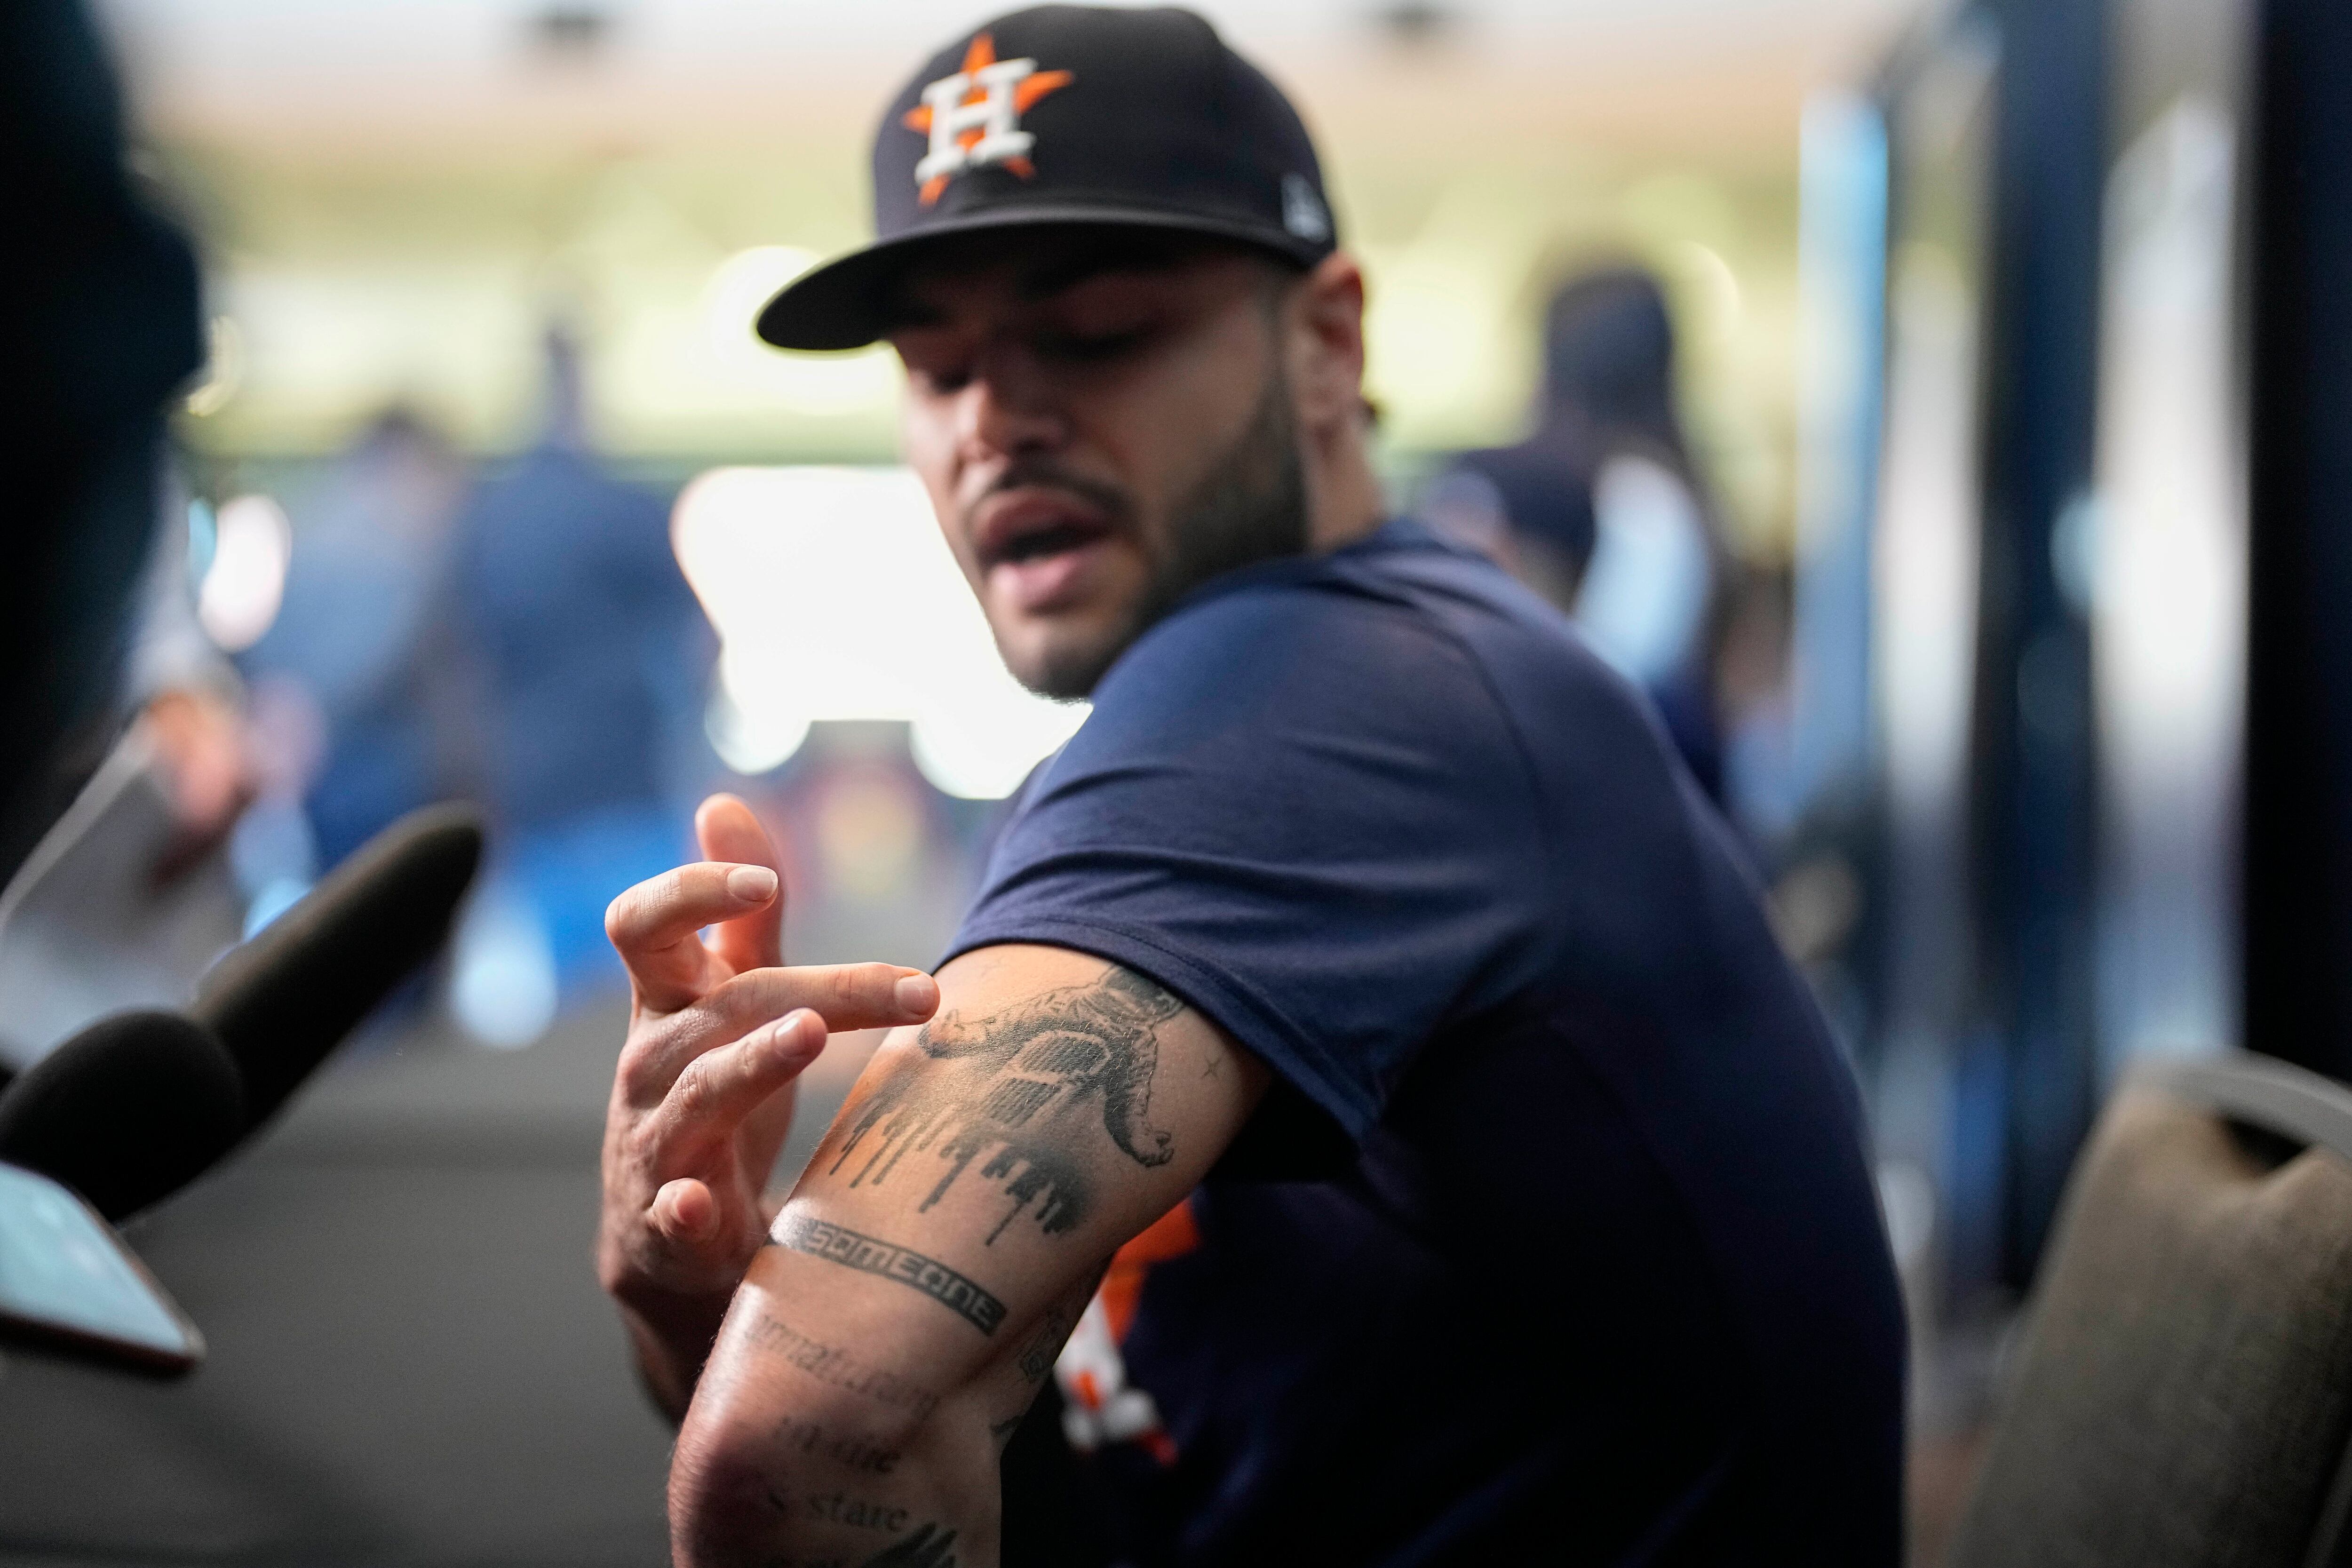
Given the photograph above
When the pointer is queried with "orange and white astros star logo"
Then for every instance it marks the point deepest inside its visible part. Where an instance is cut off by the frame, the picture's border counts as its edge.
(974, 118)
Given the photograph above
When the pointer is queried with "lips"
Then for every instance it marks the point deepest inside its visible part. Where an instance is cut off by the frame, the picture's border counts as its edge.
(1027, 525)
(1035, 547)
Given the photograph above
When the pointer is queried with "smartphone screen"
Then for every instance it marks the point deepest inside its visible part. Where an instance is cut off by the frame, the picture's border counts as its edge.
(69, 1284)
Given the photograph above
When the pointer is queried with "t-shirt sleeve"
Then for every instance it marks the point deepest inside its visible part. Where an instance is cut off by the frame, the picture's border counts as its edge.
(1302, 810)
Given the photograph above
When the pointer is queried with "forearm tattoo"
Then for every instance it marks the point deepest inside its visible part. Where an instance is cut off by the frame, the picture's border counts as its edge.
(929, 1547)
(871, 1254)
(828, 1364)
(1030, 1087)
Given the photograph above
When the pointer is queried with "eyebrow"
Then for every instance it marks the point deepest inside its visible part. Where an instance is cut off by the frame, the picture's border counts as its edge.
(1067, 272)
(1039, 282)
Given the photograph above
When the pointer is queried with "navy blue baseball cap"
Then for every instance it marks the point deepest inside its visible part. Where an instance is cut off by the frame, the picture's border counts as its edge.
(1062, 115)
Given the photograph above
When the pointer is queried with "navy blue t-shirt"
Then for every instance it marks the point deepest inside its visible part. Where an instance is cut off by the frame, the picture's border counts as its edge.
(1591, 1269)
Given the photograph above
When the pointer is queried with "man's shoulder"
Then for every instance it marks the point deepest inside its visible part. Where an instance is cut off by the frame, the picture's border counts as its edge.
(1389, 611)
(1419, 643)
(1300, 648)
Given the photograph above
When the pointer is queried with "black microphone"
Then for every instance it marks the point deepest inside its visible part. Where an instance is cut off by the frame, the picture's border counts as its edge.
(284, 1000)
(127, 1112)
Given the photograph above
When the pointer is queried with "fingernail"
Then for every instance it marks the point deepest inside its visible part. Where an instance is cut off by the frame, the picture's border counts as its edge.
(751, 883)
(917, 994)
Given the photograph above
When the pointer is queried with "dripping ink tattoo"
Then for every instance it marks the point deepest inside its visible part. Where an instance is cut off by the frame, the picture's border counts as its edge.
(1023, 1087)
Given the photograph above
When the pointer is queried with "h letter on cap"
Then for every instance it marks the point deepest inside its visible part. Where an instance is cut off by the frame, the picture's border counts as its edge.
(974, 118)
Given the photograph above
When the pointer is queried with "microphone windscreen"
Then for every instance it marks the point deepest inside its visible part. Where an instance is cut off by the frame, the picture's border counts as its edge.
(126, 1112)
(284, 1000)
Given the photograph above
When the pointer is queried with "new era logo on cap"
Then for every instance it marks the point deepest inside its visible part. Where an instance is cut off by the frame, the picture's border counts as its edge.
(1303, 212)
(1099, 116)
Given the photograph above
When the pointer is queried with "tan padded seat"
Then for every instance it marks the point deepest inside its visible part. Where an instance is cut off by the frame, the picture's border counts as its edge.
(2183, 1391)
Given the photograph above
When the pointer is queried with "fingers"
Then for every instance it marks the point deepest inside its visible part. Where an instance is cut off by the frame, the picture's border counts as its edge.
(842, 997)
(728, 830)
(652, 926)
(846, 995)
(716, 1090)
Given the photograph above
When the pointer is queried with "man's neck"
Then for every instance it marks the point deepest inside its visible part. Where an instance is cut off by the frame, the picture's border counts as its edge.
(1344, 501)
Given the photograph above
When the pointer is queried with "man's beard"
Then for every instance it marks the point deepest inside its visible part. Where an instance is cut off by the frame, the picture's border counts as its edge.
(1252, 507)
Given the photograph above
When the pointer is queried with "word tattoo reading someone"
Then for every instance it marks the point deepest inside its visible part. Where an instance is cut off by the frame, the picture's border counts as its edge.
(871, 1254)
(1026, 1083)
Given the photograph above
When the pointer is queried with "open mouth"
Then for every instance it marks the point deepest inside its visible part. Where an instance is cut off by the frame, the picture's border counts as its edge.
(1051, 540)
(1032, 524)
(1036, 548)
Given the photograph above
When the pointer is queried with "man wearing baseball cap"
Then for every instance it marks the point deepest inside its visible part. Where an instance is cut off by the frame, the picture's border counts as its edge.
(1365, 1084)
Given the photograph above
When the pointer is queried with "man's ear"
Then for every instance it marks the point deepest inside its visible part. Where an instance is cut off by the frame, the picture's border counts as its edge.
(1327, 344)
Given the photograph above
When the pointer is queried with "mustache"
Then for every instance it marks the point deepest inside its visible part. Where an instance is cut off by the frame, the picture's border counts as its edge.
(1043, 473)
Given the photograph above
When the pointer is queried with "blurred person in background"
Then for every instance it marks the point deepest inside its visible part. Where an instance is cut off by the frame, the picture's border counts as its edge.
(365, 633)
(594, 658)
(1603, 510)
(1365, 1083)
(1529, 507)
(361, 694)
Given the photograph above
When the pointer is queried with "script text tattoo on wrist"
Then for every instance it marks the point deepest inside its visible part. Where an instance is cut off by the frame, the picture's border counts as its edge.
(849, 1450)
(840, 1369)
(841, 1507)
(929, 1547)
(1024, 1086)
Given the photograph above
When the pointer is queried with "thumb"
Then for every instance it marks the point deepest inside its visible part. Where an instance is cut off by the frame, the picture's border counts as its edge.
(728, 830)
(684, 1212)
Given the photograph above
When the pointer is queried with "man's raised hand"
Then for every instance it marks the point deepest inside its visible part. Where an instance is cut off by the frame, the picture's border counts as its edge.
(719, 1029)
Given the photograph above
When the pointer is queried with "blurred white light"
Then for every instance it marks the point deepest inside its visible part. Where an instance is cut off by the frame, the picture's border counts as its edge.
(2166, 566)
(743, 282)
(502, 981)
(751, 744)
(1925, 627)
(241, 589)
(819, 384)
(1704, 270)
(836, 598)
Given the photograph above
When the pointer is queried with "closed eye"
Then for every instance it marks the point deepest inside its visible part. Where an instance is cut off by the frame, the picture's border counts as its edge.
(1091, 348)
(949, 379)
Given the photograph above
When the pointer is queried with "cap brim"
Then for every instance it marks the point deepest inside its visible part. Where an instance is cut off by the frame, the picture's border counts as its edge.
(847, 302)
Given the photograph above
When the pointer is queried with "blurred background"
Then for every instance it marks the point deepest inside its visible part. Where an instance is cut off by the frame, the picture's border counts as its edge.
(1881, 384)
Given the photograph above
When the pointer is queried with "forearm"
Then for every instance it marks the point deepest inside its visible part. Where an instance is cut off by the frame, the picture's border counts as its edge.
(803, 1453)
(934, 1257)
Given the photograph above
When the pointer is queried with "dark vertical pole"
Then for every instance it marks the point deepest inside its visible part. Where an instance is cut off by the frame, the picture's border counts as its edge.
(2032, 825)
(2298, 804)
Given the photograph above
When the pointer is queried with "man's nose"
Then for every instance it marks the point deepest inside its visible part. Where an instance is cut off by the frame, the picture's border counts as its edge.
(1008, 410)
